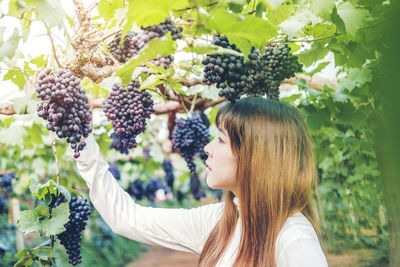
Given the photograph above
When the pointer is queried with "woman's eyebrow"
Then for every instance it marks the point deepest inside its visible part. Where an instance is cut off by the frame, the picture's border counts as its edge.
(222, 131)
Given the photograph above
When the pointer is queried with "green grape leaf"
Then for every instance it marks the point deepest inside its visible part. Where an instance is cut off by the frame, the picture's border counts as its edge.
(13, 135)
(280, 14)
(290, 99)
(154, 48)
(50, 187)
(243, 31)
(308, 57)
(49, 11)
(7, 122)
(89, 86)
(338, 21)
(352, 17)
(152, 81)
(29, 221)
(39, 61)
(274, 3)
(107, 8)
(25, 261)
(320, 67)
(349, 115)
(17, 77)
(322, 7)
(20, 104)
(59, 217)
(260, 8)
(293, 25)
(42, 212)
(317, 118)
(16, 7)
(322, 30)
(8, 47)
(235, 7)
(356, 77)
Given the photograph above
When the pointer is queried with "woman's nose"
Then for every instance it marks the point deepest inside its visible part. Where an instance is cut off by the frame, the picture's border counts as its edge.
(207, 149)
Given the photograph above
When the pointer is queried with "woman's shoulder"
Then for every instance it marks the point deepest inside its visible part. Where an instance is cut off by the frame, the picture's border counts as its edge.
(298, 244)
(296, 227)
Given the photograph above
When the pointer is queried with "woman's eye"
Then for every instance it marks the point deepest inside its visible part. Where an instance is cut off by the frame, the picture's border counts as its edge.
(220, 140)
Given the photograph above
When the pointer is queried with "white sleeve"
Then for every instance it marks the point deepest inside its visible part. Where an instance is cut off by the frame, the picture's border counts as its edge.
(180, 229)
(302, 252)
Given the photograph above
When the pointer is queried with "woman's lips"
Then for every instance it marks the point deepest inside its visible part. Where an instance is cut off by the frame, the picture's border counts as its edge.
(208, 167)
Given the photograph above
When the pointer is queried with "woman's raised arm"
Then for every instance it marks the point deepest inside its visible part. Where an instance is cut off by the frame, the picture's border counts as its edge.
(180, 229)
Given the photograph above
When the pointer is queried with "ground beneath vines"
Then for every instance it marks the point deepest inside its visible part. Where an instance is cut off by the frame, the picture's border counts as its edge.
(163, 257)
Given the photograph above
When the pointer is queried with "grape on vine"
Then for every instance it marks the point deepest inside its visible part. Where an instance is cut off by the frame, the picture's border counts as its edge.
(79, 213)
(128, 109)
(65, 106)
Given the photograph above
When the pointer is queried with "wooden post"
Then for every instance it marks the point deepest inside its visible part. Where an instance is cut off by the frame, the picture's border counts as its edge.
(14, 216)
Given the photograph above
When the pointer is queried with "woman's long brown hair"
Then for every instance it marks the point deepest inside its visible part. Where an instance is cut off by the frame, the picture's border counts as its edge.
(276, 174)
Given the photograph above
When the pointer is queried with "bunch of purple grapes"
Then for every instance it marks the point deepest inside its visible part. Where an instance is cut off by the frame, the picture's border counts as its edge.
(134, 42)
(154, 190)
(128, 109)
(79, 211)
(65, 106)
(125, 51)
(190, 136)
(6, 181)
(136, 189)
(169, 173)
(157, 31)
(195, 187)
(259, 75)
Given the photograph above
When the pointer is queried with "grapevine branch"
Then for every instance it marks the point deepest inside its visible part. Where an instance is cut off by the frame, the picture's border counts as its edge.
(53, 47)
(53, 145)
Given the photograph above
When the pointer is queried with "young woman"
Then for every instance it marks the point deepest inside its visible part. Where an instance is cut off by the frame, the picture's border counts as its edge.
(263, 157)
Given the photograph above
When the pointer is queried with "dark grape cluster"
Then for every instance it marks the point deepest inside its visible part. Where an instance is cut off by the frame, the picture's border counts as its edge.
(226, 71)
(128, 109)
(6, 181)
(117, 144)
(154, 190)
(133, 42)
(114, 169)
(190, 136)
(157, 31)
(180, 196)
(169, 173)
(65, 106)
(3, 204)
(136, 189)
(276, 64)
(79, 211)
(123, 52)
(259, 75)
(195, 187)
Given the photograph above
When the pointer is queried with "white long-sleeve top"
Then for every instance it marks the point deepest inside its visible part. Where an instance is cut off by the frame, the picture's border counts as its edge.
(297, 244)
